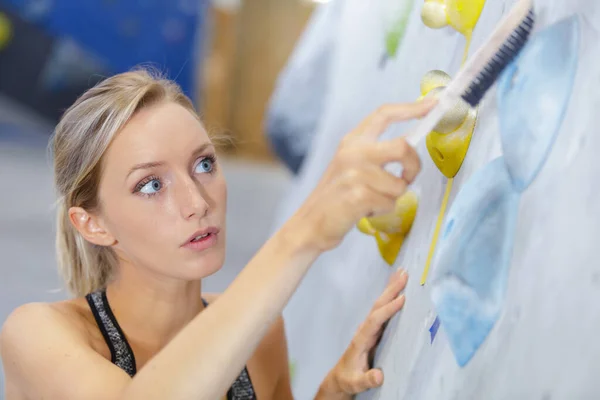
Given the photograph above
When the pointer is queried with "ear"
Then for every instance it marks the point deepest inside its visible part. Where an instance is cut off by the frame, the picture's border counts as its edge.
(90, 227)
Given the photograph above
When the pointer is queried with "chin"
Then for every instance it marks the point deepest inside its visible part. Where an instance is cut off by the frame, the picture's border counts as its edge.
(204, 265)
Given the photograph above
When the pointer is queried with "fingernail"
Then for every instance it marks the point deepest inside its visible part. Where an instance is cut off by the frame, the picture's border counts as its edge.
(379, 379)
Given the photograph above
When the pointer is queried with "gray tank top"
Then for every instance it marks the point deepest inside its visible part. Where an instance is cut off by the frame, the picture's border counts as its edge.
(122, 355)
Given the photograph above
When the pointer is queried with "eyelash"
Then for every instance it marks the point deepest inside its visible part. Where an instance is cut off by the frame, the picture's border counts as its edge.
(151, 178)
(213, 160)
(143, 183)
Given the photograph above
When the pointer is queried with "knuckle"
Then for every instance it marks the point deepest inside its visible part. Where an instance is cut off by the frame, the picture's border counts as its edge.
(402, 147)
(382, 113)
(383, 109)
(358, 193)
(352, 175)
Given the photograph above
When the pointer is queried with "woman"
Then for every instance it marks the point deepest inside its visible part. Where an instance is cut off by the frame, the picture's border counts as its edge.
(142, 220)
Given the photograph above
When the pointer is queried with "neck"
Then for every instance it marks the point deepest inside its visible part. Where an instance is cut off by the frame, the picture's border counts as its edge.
(150, 309)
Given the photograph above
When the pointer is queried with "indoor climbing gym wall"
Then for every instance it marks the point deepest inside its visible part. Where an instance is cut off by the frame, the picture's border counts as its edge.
(53, 50)
(497, 233)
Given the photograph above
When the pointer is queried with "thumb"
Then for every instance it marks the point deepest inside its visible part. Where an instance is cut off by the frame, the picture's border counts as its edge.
(371, 379)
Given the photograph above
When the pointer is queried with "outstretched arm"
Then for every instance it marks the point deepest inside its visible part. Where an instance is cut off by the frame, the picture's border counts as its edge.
(45, 356)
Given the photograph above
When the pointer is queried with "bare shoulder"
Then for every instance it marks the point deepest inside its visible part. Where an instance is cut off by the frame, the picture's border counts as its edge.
(33, 323)
(31, 320)
(46, 347)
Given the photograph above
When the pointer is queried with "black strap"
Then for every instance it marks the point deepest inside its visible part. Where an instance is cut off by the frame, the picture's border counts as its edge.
(120, 351)
(122, 355)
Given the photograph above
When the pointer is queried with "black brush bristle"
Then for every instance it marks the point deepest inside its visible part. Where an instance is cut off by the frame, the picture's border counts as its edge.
(505, 55)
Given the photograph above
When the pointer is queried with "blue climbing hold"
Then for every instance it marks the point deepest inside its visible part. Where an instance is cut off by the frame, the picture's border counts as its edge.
(434, 328)
(473, 257)
(533, 93)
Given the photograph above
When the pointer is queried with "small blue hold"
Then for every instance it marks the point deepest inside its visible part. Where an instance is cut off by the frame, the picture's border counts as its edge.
(533, 93)
(473, 258)
(434, 328)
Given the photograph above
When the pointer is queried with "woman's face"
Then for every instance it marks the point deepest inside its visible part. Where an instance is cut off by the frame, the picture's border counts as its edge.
(162, 195)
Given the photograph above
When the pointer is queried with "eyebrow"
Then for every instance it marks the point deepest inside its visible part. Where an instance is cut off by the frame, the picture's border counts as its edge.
(155, 164)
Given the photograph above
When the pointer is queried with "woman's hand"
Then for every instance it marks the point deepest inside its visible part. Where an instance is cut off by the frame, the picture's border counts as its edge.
(353, 373)
(356, 184)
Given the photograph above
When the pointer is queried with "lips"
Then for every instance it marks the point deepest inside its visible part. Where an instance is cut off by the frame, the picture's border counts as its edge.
(201, 235)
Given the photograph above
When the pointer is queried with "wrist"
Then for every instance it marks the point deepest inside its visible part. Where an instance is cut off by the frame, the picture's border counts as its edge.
(331, 390)
(298, 233)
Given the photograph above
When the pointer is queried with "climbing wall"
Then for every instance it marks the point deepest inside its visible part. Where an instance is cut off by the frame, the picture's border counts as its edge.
(53, 50)
(498, 232)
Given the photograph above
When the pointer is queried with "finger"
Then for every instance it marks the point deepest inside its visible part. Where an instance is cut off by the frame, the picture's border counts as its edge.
(378, 204)
(373, 326)
(372, 190)
(376, 123)
(395, 286)
(384, 313)
(384, 182)
(364, 202)
(371, 379)
(373, 350)
(396, 150)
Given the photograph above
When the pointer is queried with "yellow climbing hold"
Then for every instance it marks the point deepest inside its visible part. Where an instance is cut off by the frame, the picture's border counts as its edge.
(6, 30)
(391, 229)
(434, 14)
(389, 246)
(449, 141)
(462, 15)
(432, 80)
(447, 144)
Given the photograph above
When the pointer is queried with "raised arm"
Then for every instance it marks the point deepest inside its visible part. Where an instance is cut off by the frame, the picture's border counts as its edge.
(44, 356)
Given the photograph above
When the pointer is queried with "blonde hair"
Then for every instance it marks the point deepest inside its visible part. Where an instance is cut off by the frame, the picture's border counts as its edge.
(80, 140)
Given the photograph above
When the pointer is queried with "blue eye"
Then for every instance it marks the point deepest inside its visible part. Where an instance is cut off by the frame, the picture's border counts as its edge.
(205, 166)
(152, 187)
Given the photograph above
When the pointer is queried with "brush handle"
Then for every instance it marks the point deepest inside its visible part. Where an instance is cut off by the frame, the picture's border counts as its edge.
(427, 123)
(477, 75)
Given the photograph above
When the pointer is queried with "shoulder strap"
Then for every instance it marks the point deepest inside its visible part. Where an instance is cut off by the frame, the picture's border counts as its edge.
(120, 351)
(242, 388)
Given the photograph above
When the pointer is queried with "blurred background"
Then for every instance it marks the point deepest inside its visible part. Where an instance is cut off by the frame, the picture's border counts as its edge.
(226, 55)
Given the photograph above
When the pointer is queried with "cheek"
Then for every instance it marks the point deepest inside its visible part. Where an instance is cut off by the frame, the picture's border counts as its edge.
(222, 197)
(217, 191)
(138, 222)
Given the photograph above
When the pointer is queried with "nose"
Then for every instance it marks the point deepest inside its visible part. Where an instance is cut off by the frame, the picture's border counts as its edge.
(192, 199)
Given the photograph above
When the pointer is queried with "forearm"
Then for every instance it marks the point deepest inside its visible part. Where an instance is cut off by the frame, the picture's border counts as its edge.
(206, 357)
